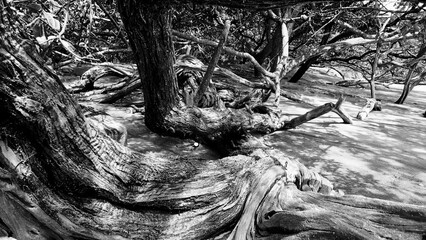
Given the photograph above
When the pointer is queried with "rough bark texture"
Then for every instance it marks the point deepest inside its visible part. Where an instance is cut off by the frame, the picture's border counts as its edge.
(149, 30)
(63, 178)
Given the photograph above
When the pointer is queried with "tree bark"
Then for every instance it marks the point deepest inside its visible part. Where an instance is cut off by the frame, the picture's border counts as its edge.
(149, 30)
(63, 178)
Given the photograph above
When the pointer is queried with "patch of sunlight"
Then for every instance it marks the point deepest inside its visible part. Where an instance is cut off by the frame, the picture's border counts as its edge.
(318, 167)
(350, 131)
(421, 177)
(418, 150)
(347, 159)
(392, 162)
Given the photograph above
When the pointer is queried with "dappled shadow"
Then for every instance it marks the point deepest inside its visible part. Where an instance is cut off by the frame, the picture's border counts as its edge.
(357, 166)
(143, 140)
(383, 156)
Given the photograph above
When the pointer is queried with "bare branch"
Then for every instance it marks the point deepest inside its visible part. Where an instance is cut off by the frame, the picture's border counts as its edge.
(206, 79)
(225, 49)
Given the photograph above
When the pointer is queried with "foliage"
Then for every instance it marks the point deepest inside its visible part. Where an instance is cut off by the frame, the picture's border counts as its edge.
(74, 30)
(402, 37)
(91, 31)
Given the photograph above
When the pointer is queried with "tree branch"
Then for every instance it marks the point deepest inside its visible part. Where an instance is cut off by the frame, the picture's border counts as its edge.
(225, 49)
(212, 65)
(120, 32)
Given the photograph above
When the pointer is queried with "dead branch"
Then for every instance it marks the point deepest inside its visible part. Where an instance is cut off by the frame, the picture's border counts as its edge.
(129, 88)
(228, 78)
(341, 112)
(363, 113)
(227, 50)
(316, 112)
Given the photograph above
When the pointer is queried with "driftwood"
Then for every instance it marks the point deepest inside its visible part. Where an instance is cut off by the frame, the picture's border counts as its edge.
(363, 113)
(321, 110)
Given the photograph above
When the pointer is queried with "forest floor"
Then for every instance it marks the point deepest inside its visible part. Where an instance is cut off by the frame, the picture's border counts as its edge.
(383, 156)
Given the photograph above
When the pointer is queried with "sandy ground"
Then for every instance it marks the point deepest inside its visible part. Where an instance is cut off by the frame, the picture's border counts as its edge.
(383, 156)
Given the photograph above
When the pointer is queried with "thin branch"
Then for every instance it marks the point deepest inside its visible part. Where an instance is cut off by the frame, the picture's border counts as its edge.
(225, 49)
(109, 51)
(120, 32)
(207, 77)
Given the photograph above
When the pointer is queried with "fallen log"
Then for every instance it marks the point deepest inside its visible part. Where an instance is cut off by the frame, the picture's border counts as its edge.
(88, 79)
(341, 112)
(316, 112)
(363, 113)
(134, 85)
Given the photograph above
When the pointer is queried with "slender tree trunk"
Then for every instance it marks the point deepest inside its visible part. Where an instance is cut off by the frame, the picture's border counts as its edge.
(312, 59)
(374, 68)
(377, 56)
(205, 83)
(303, 68)
(408, 84)
(272, 49)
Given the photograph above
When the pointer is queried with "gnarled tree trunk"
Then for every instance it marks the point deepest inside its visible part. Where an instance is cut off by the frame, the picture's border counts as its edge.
(62, 178)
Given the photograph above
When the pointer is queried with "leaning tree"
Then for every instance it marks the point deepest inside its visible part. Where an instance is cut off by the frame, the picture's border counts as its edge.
(63, 178)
